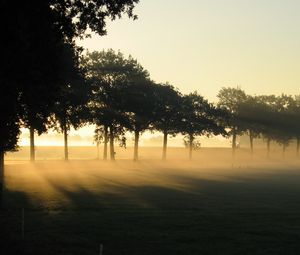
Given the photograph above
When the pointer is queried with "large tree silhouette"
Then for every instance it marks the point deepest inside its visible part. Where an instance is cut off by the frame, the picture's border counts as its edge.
(138, 101)
(107, 72)
(35, 34)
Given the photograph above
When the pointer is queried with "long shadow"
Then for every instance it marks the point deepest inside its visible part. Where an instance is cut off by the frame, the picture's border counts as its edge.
(241, 214)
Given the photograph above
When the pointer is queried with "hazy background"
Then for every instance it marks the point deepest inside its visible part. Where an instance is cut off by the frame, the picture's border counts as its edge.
(205, 45)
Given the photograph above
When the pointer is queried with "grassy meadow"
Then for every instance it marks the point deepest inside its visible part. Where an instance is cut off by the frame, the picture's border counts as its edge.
(210, 205)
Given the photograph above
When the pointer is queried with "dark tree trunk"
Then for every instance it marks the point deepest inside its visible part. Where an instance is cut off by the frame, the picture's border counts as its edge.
(268, 147)
(233, 142)
(136, 145)
(111, 143)
(105, 142)
(191, 140)
(251, 142)
(164, 155)
(32, 146)
(298, 146)
(283, 150)
(1, 177)
(65, 131)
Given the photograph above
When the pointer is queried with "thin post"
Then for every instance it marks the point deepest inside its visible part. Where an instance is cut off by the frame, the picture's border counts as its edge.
(23, 223)
(101, 249)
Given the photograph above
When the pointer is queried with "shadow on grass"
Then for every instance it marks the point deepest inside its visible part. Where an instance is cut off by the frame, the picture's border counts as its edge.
(239, 215)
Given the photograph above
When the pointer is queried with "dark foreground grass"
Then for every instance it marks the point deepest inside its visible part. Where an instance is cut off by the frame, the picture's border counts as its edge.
(249, 211)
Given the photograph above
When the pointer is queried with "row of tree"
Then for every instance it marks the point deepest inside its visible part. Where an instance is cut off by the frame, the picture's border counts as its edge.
(117, 95)
(124, 98)
(273, 118)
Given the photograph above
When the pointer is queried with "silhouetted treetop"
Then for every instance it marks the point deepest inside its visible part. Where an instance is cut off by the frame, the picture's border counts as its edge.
(74, 17)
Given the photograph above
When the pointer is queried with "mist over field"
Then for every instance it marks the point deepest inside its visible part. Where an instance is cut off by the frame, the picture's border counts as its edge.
(207, 205)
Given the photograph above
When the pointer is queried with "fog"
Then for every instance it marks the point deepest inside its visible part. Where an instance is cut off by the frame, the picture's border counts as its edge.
(53, 183)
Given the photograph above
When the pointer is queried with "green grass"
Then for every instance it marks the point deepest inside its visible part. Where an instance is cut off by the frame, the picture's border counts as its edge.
(151, 208)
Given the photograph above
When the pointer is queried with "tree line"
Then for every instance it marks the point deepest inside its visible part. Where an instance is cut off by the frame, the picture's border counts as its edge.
(117, 95)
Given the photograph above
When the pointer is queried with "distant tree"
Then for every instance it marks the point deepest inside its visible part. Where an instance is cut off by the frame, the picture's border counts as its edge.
(294, 120)
(268, 112)
(200, 118)
(252, 115)
(231, 99)
(277, 120)
(167, 112)
(285, 124)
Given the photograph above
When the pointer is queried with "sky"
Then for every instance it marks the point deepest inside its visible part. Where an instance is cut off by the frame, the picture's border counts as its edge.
(205, 45)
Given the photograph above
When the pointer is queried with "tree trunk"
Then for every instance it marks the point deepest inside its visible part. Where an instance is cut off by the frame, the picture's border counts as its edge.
(191, 140)
(233, 142)
(136, 145)
(65, 131)
(268, 147)
(298, 146)
(97, 151)
(1, 177)
(283, 150)
(111, 143)
(32, 146)
(105, 142)
(251, 142)
(164, 156)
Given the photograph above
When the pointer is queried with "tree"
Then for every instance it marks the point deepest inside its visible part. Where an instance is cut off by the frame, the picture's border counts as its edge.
(107, 71)
(294, 120)
(139, 105)
(167, 112)
(231, 99)
(129, 92)
(285, 124)
(32, 63)
(252, 115)
(70, 108)
(277, 121)
(35, 34)
(9, 129)
(200, 118)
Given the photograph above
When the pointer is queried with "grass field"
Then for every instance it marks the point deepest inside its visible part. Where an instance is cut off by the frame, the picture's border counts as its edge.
(206, 206)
